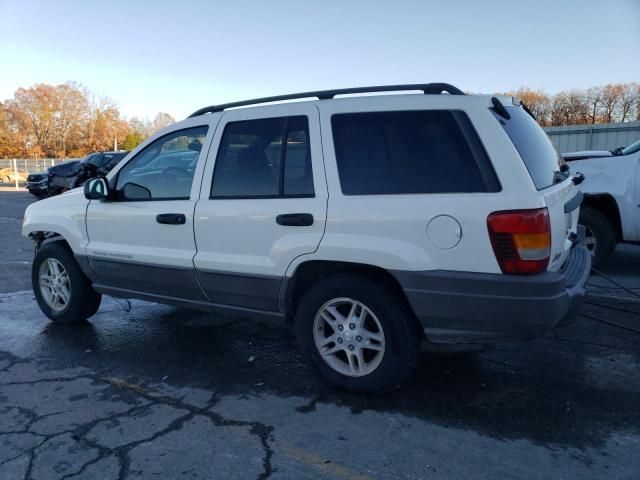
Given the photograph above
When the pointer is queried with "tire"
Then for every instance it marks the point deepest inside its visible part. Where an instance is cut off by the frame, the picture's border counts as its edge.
(601, 235)
(82, 301)
(385, 313)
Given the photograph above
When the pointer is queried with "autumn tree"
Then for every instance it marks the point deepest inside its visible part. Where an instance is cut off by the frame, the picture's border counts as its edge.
(537, 101)
(12, 139)
(34, 110)
(106, 129)
(73, 113)
(161, 121)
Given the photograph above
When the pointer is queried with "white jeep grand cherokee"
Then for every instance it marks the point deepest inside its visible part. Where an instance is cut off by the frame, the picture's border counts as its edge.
(371, 223)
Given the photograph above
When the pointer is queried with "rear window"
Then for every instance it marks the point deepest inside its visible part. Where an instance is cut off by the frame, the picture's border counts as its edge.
(410, 152)
(538, 153)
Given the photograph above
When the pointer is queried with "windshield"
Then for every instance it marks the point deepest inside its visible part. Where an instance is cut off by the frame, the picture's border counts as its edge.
(538, 153)
(633, 148)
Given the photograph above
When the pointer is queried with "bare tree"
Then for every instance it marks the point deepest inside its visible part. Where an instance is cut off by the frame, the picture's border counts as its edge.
(628, 100)
(611, 94)
(593, 98)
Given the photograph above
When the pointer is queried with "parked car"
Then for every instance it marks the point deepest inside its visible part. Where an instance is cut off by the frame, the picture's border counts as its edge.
(610, 211)
(9, 175)
(72, 174)
(370, 224)
(37, 184)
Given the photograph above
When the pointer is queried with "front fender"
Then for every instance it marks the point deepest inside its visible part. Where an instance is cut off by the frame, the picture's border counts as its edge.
(63, 214)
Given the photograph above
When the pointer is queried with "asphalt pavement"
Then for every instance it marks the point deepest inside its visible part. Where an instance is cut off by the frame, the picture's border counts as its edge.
(157, 392)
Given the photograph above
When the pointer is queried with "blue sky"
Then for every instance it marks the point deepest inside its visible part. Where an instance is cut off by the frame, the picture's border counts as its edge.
(177, 56)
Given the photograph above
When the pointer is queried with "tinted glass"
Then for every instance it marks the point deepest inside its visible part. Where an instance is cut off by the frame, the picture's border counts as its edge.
(633, 148)
(298, 176)
(165, 167)
(538, 153)
(95, 159)
(409, 152)
(252, 160)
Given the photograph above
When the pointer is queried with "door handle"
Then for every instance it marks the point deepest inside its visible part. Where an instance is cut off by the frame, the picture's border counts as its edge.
(295, 219)
(171, 218)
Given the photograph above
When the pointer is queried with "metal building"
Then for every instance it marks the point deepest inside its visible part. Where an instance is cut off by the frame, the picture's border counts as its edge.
(607, 136)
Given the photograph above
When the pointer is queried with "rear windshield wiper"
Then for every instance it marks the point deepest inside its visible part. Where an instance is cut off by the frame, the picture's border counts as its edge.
(562, 174)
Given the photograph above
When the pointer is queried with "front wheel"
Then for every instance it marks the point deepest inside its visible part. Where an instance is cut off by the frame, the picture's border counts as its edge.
(62, 290)
(356, 335)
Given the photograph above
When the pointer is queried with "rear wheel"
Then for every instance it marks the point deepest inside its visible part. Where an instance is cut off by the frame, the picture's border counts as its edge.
(62, 290)
(600, 235)
(356, 335)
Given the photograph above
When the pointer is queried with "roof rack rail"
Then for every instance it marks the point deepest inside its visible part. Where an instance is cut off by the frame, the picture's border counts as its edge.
(427, 88)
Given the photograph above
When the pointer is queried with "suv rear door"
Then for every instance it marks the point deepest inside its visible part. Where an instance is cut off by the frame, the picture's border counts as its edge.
(544, 164)
(263, 203)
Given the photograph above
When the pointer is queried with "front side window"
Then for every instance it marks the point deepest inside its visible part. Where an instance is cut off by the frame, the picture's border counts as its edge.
(164, 169)
(264, 158)
(410, 152)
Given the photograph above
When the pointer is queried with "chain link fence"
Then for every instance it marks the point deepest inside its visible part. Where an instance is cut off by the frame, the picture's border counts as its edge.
(14, 171)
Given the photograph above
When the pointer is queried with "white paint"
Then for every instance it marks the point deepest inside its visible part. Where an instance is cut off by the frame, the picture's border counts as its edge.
(618, 176)
(444, 232)
(388, 231)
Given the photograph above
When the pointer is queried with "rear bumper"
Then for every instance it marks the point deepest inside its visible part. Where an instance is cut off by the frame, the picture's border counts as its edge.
(461, 307)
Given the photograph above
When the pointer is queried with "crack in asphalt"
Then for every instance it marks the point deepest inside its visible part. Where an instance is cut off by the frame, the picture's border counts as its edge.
(263, 432)
(259, 429)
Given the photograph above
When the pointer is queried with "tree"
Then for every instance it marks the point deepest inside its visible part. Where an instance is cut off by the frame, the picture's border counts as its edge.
(73, 113)
(537, 101)
(34, 110)
(12, 139)
(628, 102)
(161, 121)
(594, 100)
(105, 128)
(132, 140)
(611, 94)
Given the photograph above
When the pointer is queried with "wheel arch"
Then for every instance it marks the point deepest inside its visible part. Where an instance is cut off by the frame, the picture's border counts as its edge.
(607, 205)
(310, 271)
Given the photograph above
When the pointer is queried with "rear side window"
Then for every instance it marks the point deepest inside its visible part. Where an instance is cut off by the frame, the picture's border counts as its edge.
(426, 151)
(538, 153)
(264, 158)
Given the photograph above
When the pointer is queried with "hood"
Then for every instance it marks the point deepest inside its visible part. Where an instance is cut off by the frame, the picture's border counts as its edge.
(66, 169)
(586, 154)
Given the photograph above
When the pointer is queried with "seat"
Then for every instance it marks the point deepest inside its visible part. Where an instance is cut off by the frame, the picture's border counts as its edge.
(253, 176)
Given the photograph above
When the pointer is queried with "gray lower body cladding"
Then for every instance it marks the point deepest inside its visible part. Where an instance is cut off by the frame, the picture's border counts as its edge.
(168, 281)
(461, 307)
(453, 307)
(185, 287)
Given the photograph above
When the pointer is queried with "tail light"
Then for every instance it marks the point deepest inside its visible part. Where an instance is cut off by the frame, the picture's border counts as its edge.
(521, 240)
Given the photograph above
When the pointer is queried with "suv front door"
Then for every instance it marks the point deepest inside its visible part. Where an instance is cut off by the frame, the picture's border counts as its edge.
(142, 239)
(263, 203)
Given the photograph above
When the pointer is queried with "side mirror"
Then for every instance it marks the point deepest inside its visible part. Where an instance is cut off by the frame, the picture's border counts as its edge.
(96, 189)
(133, 191)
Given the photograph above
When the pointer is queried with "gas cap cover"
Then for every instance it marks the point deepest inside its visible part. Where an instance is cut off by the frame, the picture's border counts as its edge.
(444, 232)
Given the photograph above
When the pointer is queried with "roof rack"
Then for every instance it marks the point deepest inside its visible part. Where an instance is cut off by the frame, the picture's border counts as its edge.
(427, 88)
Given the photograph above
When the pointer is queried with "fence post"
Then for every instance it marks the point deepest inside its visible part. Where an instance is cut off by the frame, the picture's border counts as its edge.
(590, 139)
(15, 172)
(52, 162)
